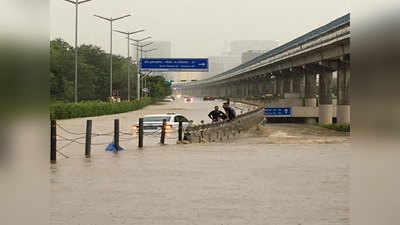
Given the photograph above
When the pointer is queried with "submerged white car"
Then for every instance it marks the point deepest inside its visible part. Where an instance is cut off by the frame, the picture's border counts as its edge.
(153, 123)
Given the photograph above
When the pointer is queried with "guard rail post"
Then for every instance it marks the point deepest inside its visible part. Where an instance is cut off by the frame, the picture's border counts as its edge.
(164, 124)
(88, 138)
(116, 134)
(180, 131)
(140, 132)
(53, 142)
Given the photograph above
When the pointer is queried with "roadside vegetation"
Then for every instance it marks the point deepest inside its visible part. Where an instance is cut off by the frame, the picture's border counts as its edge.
(61, 110)
(338, 127)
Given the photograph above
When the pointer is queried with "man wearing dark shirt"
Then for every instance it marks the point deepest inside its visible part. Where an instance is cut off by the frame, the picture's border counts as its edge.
(230, 112)
(215, 115)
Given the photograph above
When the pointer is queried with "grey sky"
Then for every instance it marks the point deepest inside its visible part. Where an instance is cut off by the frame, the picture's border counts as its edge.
(195, 28)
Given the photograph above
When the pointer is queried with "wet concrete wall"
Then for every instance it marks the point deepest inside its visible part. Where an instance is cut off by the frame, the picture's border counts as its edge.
(225, 131)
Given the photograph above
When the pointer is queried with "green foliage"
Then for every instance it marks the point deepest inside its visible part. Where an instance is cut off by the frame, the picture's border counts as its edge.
(337, 127)
(159, 87)
(61, 110)
(94, 74)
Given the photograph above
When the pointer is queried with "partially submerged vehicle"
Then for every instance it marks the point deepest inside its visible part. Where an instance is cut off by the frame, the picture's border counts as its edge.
(154, 122)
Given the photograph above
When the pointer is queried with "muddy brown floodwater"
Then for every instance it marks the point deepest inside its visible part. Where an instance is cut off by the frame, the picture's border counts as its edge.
(282, 174)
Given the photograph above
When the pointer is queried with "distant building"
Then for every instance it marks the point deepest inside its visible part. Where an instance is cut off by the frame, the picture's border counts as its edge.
(251, 54)
(163, 50)
(240, 52)
(220, 64)
(238, 47)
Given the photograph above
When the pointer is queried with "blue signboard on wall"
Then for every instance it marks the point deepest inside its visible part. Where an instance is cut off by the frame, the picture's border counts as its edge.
(174, 64)
(278, 111)
(177, 86)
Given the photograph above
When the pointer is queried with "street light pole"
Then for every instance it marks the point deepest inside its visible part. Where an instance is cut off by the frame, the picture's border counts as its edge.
(129, 61)
(141, 56)
(137, 63)
(111, 20)
(141, 52)
(144, 79)
(76, 3)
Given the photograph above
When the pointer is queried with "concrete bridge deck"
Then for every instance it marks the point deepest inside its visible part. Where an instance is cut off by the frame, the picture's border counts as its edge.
(304, 68)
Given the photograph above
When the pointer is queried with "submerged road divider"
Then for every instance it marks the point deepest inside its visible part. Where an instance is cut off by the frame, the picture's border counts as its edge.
(141, 130)
(163, 128)
(53, 142)
(88, 138)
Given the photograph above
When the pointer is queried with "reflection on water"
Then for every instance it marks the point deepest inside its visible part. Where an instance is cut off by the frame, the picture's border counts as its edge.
(205, 184)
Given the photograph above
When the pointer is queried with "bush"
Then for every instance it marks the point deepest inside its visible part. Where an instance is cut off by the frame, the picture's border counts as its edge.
(337, 127)
(61, 110)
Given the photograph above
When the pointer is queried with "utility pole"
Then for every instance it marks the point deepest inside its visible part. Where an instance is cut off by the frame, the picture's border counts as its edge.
(129, 60)
(76, 3)
(111, 20)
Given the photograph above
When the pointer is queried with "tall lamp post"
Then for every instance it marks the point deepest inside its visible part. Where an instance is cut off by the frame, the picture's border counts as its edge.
(141, 56)
(145, 55)
(76, 3)
(128, 34)
(111, 20)
(138, 62)
(144, 79)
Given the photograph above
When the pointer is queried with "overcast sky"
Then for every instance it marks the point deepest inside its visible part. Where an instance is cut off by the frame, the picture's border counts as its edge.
(195, 28)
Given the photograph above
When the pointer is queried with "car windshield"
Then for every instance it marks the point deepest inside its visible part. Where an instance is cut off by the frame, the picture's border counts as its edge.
(156, 118)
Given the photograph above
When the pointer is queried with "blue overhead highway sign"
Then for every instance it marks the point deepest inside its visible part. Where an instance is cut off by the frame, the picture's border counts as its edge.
(174, 64)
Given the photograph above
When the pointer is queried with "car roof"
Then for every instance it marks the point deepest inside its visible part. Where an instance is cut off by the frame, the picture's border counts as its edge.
(154, 115)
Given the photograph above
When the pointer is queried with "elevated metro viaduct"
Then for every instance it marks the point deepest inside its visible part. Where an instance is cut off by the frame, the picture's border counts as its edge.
(291, 71)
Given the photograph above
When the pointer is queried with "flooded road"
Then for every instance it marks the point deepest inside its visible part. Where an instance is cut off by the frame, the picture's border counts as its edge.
(289, 174)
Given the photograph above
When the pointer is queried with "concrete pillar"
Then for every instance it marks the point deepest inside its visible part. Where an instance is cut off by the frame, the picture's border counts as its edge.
(281, 84)
(262, 86)
(291, 83)
(256, 88)
(343, 96)
(325, 98)
(228, 90)
(235, 90)
(220, 91)
(298, 84)
(309, 90)
(267, 86)
(248, 88)
(244, 89)
(251, 88)
(274, 87)
(302, 84)
(286, 85)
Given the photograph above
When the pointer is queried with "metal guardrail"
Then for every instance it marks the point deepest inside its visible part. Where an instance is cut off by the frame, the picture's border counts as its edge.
(85, 138)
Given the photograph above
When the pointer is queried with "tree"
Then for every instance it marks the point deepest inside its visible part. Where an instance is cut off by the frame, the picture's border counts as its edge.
(93, 74)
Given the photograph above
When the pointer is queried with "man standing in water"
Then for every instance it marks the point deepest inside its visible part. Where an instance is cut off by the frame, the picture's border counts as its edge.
(230, 112)
(216, 115)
